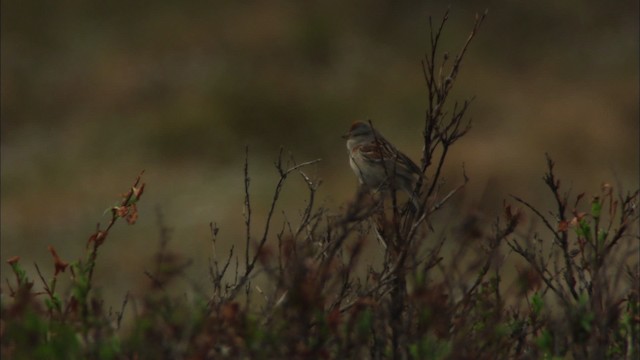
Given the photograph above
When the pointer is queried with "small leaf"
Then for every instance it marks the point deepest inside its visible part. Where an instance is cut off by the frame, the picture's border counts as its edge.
(98, 237)
(132, 215)
(545, 341)
(583, 229)
(563, 226)
(537, 304)
(120, 211)
(596, 207)
(13, 260)
(602, 237)
(364, 322)
(59, 264)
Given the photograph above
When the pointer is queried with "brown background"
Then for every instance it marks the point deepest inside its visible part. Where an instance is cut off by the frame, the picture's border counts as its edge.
(92, 93)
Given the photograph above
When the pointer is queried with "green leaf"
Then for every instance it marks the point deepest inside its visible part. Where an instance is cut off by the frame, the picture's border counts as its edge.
(583, 229)
(586, 320)
(20, 273)
(64, 341)
(596, 208)
(537, 303)
(545, 341)
(110, 349)
(365, 320)
(602, 237)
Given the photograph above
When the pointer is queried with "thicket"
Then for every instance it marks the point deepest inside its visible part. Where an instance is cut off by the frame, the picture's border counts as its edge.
(303, 290)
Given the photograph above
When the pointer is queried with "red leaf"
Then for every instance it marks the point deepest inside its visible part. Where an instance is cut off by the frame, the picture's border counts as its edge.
(60, 265)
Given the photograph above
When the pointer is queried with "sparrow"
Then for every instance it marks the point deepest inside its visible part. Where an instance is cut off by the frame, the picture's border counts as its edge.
(377, 164)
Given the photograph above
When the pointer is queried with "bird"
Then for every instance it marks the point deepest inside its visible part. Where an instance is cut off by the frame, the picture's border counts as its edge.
(378, 165)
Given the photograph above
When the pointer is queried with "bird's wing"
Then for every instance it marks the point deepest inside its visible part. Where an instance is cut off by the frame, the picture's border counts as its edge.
(374, 152)
(383, 150)
(409, 163)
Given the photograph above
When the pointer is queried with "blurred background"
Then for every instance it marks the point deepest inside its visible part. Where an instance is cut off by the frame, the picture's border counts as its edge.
(94, 92)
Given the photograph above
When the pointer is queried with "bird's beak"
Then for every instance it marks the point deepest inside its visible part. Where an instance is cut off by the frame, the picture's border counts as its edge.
(345, 136)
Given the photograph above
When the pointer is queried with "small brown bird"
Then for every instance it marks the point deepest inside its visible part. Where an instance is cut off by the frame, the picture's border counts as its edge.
(378, 164)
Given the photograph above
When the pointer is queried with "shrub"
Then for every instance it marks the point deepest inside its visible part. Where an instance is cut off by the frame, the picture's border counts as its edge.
(304, 291)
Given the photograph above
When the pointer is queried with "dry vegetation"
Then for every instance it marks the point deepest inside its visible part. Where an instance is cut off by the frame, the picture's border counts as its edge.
(576, 293)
